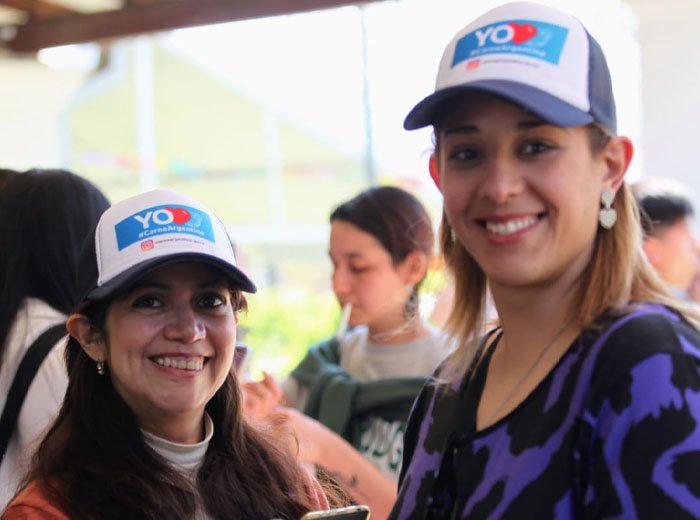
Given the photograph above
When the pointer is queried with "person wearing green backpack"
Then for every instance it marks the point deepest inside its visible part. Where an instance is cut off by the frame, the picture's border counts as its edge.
(356, 390)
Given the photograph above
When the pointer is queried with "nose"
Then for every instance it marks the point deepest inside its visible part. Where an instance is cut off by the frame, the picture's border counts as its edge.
(501, 180)
(341, 281)
(184, 325)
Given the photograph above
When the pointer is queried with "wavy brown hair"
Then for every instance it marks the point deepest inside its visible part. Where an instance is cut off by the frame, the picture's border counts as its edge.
(617, 276)
(398, 221)
(94, 462)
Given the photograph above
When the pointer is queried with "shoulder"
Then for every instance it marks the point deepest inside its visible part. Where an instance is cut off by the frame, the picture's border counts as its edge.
(434, 405)
(31, 504)
(641, 353)
(32, 318)
(647, 331)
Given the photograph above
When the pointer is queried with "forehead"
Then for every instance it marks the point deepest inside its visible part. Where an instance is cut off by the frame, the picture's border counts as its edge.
(682, 227)
(183, 273)
(346, 237)
(474, 106)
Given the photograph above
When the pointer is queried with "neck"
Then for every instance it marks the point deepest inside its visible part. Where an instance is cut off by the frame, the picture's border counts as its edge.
(402, 331)
(530, 316)
(180, 429)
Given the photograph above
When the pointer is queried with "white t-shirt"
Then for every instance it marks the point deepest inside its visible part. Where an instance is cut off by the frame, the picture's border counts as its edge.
(382, 441)
(45, 394)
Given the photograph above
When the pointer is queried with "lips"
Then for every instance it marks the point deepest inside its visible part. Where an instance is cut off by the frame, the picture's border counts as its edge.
(510, 226)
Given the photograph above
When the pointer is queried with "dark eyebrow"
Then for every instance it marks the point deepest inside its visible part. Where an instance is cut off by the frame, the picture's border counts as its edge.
(349, 255)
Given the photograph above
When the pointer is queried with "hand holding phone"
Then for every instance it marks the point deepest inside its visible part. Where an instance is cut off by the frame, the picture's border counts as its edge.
(342, 513)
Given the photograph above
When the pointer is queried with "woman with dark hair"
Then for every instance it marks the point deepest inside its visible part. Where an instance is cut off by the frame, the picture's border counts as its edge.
(44, 217)
(150, 427)
(356, 390)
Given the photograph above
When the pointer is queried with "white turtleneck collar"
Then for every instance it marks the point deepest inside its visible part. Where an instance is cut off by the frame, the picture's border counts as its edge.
(185, 456)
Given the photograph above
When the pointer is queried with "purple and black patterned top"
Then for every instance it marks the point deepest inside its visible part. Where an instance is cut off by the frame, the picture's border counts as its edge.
(613, 431)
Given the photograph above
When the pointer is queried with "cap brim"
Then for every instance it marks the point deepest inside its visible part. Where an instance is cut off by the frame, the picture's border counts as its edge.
(130, 276)
(546, 106)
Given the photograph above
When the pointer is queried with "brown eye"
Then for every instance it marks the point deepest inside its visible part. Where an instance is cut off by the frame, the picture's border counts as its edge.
(211, 301)
(465, 154)
(535, 148)
(147, 302)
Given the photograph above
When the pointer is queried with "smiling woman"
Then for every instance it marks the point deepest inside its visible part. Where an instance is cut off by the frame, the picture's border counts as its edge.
(583, 402)
(151, 425)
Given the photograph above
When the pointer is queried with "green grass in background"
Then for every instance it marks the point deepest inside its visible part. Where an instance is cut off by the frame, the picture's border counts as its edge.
(282, 323)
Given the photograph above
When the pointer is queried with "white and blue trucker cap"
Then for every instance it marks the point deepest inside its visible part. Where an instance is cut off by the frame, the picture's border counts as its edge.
(540, 58)
(150, 230)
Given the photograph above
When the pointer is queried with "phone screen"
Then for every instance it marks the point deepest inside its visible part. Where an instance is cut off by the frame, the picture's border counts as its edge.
(343, 513)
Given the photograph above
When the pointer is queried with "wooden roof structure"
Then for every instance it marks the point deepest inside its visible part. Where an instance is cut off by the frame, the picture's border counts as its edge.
(29, 25)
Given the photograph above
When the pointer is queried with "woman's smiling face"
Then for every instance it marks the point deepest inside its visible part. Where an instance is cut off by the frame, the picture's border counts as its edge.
(170, 344)
(522, 195)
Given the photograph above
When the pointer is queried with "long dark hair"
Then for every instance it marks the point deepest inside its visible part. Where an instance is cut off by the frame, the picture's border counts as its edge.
(396, 219)
(6, 175)
(94, 462)
(44, 217)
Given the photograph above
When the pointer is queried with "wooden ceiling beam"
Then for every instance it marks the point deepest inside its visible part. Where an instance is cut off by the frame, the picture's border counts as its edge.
(145, 18)
(38, 9)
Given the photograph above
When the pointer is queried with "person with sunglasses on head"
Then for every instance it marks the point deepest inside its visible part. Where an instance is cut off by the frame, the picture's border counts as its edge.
(584, 400)
(150, 426)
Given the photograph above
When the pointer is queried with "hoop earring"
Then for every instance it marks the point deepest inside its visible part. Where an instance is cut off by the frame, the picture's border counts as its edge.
(101, 368)
(607, 216)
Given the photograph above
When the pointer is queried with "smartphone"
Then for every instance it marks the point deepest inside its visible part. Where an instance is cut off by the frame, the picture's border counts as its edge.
(342, 513)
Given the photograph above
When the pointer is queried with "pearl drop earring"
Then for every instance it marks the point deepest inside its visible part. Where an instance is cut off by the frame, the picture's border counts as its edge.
(607, 216)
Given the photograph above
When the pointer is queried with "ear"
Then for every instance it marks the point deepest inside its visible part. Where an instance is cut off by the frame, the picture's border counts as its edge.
(654, 249)
(434, 169)
(413, 267)
(617, 157)
(90, 339)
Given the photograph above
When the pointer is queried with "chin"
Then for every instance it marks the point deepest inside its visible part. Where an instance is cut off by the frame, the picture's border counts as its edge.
(512, 278)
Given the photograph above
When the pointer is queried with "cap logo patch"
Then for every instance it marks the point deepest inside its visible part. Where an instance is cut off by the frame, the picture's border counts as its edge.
(163, 220)
(531, 38)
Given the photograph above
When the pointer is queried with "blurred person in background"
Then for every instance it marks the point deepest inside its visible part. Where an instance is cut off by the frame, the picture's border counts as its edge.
(356, 390)
(44, 217)
(670, 240)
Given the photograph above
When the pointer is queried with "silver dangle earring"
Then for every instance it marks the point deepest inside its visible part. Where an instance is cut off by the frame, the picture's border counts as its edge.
(453, 235)
(101, 368)
(607, 215)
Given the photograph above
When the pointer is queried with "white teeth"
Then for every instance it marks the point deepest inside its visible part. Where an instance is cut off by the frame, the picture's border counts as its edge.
(195, 363)
(512, 226)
